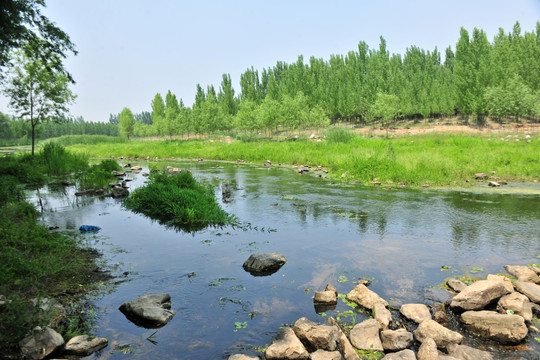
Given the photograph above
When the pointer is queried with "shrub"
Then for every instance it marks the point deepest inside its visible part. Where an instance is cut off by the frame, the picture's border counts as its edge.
(337, 134)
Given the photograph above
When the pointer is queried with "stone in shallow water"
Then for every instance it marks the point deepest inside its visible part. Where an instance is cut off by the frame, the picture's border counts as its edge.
(85, 345)
(41, 343)
(504, 328)
(286, 346)
(149, 311)
(263, 264)
(478, 295)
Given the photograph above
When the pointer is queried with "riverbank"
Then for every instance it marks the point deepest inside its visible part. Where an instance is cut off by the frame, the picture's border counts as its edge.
(434, 159)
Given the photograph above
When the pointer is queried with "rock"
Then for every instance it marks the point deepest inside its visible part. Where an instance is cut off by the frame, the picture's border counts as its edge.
(267, 163)
(41, 343)
(532, 291)
(415, 312)
(136, 168)
(262, 264)
(480, 176)
(242, 357)
(325, 355)
(439, 313)
(523, 273)
(119, 191)
(517, 304)
(504, 328)
(286, 346)
(225, 189)
(85, 192)
(3, 301)
(395, 340)
(119, 173)
(50, 309)
(365, 297)
(493, 184)
(536, 309)
(365, 336)
(328, 296)
(441, 335)
(438, 295)
(382, 315)
(479, 294)
(365, 282)
(347, 350)
(504, 280)
(149, 311)
(85, 345)
(401, 355)
(428, 350)
(323, 337)
(467, 353)
(456, 285)
(145, 174)
(303, 170)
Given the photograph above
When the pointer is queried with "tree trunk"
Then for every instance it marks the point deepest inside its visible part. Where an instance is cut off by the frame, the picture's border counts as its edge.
(33, 136)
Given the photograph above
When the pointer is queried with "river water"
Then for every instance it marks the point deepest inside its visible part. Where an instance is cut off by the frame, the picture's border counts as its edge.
(329, 233)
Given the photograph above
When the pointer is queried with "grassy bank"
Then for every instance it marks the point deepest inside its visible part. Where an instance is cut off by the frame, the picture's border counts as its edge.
(435, 159)
(34, 262)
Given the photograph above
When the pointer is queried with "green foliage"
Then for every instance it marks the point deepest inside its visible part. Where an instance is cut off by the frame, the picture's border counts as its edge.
(99, 175)
(178, 200)
(68, 140)
(126, 122)
(58, 161)
(369, 354)
(338, 134)
(386, 107)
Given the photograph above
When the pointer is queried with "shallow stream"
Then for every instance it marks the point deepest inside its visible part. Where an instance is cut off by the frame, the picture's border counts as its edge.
(329, 233)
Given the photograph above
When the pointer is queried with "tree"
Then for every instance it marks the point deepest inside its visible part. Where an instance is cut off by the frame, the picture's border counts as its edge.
(22, 24)
(386, 107)
(158, 113)
(37, 89)
(126, 122)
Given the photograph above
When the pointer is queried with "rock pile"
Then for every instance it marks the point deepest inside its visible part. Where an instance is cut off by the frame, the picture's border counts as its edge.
(495, 308)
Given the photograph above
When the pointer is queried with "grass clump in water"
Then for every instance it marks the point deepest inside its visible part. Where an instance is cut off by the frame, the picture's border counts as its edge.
(99, 175)
(178, 200)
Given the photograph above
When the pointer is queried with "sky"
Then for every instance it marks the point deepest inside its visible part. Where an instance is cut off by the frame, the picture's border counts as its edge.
(129, 50)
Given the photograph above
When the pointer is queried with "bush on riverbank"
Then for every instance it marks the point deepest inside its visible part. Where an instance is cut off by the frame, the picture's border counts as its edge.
(178, 200)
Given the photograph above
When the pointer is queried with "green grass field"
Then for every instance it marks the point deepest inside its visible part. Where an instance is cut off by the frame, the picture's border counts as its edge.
(416, 160)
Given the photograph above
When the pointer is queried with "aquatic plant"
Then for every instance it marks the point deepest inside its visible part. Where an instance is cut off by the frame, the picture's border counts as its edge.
(178, 200)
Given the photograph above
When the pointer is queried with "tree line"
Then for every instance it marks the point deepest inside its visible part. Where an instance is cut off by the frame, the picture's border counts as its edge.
(498, 79)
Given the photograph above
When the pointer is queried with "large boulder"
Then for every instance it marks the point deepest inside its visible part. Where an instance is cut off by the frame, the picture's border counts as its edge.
(504, 328)
(347, 350)
(438, 295)
(517, 304)
(478, 295)
(441, 335)
(286, 346)
(149, 311)
(523, 273)
(395, 340)
(365, 297)
(400, 355)
(467, 353)
(415, 312)
(365, 336)
(323, 337)
(532, 291)
(504, 280)
(85, 345)
(262, 264)
(382, 315)
(41, 343)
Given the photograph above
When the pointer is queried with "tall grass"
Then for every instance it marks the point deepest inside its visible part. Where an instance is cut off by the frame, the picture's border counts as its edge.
(179, 201)
(337, 134)
(67, 140)
(436, 159)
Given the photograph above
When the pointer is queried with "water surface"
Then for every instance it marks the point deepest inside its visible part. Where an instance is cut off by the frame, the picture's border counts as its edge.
(328, 232)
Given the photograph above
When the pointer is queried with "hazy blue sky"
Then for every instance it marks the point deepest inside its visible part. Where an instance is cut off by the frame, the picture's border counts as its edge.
(131, 49)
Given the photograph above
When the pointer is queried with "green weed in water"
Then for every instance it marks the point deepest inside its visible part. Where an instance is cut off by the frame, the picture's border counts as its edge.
(342, 279)
(369, 354)
(474, 270)
(239, 325)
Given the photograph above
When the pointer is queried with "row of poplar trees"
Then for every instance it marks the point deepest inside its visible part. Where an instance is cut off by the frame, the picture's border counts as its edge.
(499, 79)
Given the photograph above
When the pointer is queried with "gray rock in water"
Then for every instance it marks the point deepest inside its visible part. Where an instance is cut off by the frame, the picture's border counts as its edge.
(456, 284)
(263, 264)
(530, 290)
(382, 315)
(41, 343)
(119, 191)
(149, 311)
(325, 355)
(401, 355)
(225, 189)
(365, 336)
(478, 295)
(415, 312)
(365, 297)
(394, 340)
(286, 346)
(428, 350)
(523, 273)
(85, 345)
(517, 304)
(323, 337)
(504, 328)
(328, 296)
(242, 357)
(441, 335)
(467, 352)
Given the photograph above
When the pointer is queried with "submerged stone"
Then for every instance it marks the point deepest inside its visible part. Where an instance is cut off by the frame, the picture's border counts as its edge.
(149, 311)
(263, 264)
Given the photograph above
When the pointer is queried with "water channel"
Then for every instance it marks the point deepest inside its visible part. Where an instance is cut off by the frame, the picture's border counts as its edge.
(329, 233)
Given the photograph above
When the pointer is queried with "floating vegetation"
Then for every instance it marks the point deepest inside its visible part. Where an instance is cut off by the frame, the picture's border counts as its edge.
(219, 281)
(342, 279)
(239, 325)
(445, 267)
(474, 270)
